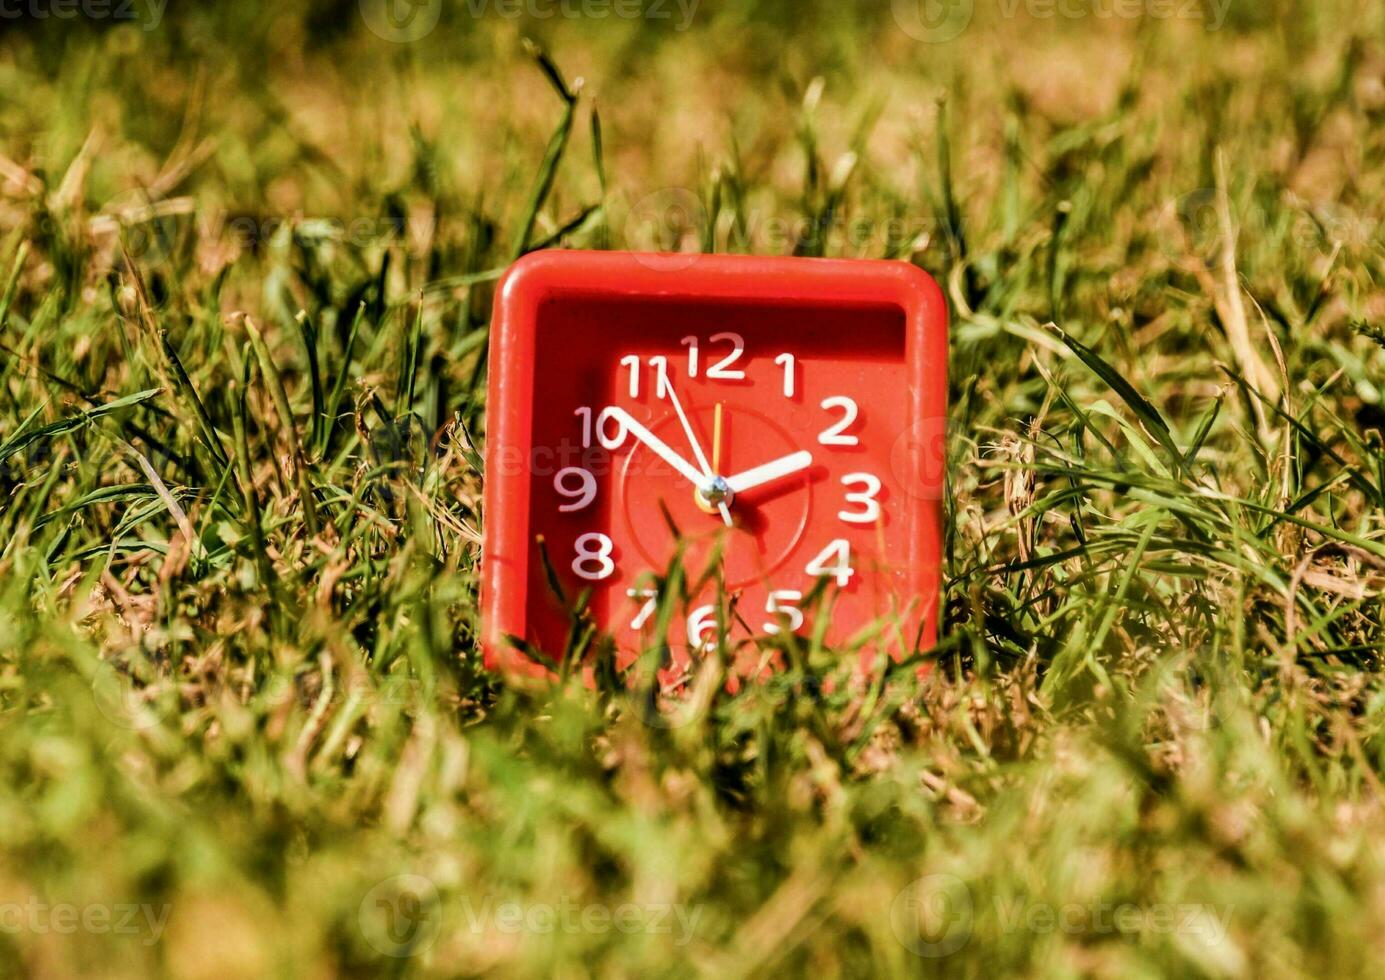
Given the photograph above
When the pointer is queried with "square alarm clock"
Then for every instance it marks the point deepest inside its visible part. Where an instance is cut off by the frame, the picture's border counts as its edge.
(774, 426)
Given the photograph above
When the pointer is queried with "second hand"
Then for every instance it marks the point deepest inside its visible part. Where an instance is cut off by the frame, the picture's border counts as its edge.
(696, 447)
(704, 505)
(716, 439)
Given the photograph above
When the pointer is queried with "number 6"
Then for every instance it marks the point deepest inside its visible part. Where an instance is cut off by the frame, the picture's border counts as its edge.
(702, 629)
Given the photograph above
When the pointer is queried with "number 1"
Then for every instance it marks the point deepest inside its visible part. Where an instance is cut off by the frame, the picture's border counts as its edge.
(691, 344)
(633, 363)
(787, 362)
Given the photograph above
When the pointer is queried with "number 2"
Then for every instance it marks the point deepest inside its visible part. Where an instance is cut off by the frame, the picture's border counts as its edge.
(835, 435)
(722, 370)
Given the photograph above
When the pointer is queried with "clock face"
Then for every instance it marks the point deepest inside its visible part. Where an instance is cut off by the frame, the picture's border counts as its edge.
(709, 465)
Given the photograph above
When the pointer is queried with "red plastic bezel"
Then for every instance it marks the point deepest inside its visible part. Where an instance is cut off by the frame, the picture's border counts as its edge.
(545, 277)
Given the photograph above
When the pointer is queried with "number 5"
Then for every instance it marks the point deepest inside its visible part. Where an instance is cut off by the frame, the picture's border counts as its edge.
(784, 603)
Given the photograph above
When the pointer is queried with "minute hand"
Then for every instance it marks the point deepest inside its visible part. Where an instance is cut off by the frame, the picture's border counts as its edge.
(770, 472)
(661, 449)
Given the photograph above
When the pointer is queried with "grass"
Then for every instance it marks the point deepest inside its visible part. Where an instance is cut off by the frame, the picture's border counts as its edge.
(247, 260)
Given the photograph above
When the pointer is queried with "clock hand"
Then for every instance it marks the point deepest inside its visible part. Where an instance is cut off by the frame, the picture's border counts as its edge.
(708, 477)
(779, 468)
(660, 448)
(716, 439)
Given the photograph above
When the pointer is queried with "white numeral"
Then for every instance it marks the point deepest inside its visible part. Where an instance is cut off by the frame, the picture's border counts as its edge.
(585, 414)
(633, 363)
(651, 603)
(839, 552)
(582, 495)
(702, 622)
(610, 442)
(691, 344)
(594, 549)
(785, 603)
(722, 370)
(787, 362)
(660, 366)
(866, 498)
(834, 435)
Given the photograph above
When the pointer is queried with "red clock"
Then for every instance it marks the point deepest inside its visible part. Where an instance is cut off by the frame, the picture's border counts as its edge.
(730, 448)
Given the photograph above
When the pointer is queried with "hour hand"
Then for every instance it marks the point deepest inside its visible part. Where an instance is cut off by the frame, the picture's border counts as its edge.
(776, 470)
(660, 448)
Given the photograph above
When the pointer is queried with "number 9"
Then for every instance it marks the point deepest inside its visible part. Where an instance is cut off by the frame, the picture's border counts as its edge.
(582, 495)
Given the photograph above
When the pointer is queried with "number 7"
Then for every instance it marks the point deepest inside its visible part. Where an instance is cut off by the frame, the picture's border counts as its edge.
(647, 610)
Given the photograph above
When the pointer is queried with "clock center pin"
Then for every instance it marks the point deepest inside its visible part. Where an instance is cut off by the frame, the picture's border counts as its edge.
(717, 491)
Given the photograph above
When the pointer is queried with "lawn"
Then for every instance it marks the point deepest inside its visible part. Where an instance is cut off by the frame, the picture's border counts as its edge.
(247, 258)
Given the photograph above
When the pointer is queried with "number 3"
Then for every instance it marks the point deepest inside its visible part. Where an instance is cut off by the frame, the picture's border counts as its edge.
(866, 498)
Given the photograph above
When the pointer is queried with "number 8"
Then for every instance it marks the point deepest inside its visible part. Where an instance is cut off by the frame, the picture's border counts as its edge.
(600, 555)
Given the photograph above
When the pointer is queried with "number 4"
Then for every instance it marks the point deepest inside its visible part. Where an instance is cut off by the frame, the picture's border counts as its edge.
(839, 552)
